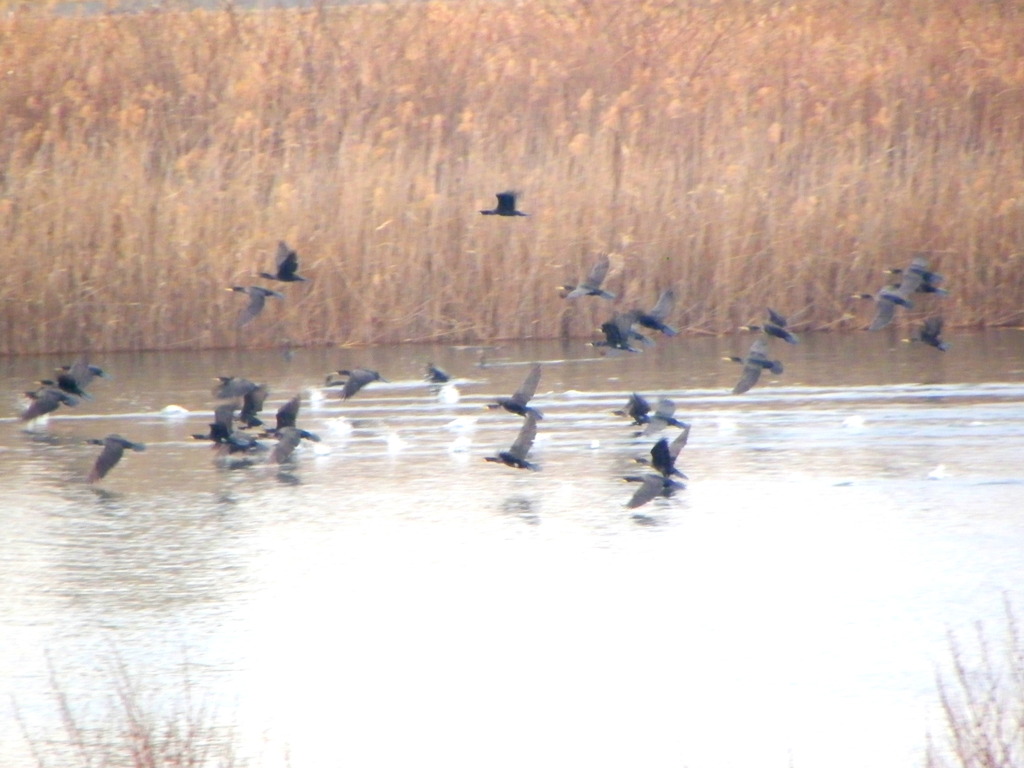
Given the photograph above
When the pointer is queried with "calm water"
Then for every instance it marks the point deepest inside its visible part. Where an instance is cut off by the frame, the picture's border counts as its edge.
(392, 599)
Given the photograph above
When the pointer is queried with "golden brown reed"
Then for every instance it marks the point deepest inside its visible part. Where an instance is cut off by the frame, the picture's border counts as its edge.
(750, 154)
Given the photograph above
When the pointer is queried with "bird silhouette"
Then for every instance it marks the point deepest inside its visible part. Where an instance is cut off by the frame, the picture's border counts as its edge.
(506, 205)
(223, 424)
(651, 486)
(357, 378)
(591, 284)
(287, 266)
(252, 404)
(618, 332)
(515, 456)
(662, 417)
(232, 387)
(664, 454)
(436, 375)
(775, 326)
(288, 439)
(637, 408)
(655, 317)
(929, 280)
(517, 403)
(930, 333)
(114, 447)
(889, 297)
(257, 299)
(44, 400)
(754, 363)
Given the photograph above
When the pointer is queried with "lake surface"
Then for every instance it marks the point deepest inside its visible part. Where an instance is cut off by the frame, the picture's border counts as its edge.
(390, 598)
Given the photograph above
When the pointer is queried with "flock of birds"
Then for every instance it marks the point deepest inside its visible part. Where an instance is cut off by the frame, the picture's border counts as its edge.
(238, 432)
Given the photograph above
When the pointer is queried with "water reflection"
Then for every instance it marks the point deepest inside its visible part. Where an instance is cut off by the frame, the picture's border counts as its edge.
(388, 578)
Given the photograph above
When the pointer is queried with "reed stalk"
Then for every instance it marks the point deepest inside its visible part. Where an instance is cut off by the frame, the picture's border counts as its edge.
(747, 153)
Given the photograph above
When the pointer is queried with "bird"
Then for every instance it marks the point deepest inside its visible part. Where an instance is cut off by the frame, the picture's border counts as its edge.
(222, 425)
(636, 408)
(662, 417)
(506, 205)
(591, 284)
(436, 375)
(286, 417)
(617, 333)
(664, 454)
(233, 387)
(287, 265)
(257, 298)
(357, 378)
(252, 404)
(517, 403)
(114, 447)
(930, 333)
(515, 456)
(46, 399)
(929, 280)
(288, 439)
(651, 486)
(756, 361)
(775, 326)
(889, 296)
(76, 377)
(655, 317)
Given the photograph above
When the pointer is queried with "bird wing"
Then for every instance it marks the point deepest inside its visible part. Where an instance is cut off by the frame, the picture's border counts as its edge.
(506, 202)
(256, 301)
(108, 458)
(287, 440)
(664, 409)
(776, 318)
(81, 372)
(597, 273)
(524, 441)
(288, 413)
(885, 310)
(650, 486)
(661, 457)
(664, 306)
(679, 443)
(751, 373)
(529, 387)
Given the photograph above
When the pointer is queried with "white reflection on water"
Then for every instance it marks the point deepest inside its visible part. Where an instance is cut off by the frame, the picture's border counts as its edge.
(391, 600)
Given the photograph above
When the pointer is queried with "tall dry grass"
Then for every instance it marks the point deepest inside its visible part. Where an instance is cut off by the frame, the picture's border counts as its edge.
(749, 153)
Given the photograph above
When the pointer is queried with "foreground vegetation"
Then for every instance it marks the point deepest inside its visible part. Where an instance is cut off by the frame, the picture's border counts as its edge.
(749, 153)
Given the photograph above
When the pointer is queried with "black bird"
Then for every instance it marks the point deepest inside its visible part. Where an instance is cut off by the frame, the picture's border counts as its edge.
(591, 284)
(252, 404)
(889, 297)
(655, 318)
(436, 375)
(222, 425)
(756, 361)
(515, 456)
(113, 448)
(506, 205)
(617, 333)
(78, 375)
(929, 280)
(288, 439)
(664, 454)
(636, 408)
(517, 403)
(357, 379)
(931, 334)
(651, 486)
(65, 383)
(287, 265)
(775, 326)
(46, 399)
(663, 416)
(286, 417)
(257, 298)
(232, 387)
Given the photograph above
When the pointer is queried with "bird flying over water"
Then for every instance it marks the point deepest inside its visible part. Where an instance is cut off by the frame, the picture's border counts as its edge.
(357, 378)
(288, 439)
(114, 447)
(617, 333)
(889, 296)
(930, 333)
(929, 280)
(655, 317)
(754, 363)
(637, 408)
(233, 386)
(506, 205)
(651, 486)
(287, 266)
(663, 416)
(436, 375)
(515, 456)
(517, 403)
(46, 399)
(591, 284)
(664, 454)
(257, 298)
(775, 326)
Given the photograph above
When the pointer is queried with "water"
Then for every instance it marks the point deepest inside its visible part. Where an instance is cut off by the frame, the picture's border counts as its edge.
(392, 599)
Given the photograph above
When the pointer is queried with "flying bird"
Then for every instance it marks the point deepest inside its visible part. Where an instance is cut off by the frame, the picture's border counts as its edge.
(46, 399)
(591, 284)
(889, 297)
(287, 265)
(114, 447)
(663, 416)
(655, 317)
(664, 454)
(223, 424)
(436, 375)
(233, 387)
(288, 439)
(75, 378)
(618, 332)
(506, 205)
(754, 363)
(357, 378)
(929, 280)
(257, 298)
(252, 404)
(775, 326)
(930, 333)
(515, 456)
(637, 408)
(651, 486)
(517, 403)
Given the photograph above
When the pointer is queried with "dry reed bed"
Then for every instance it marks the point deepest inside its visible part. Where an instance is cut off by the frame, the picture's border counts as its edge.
(746, 153)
